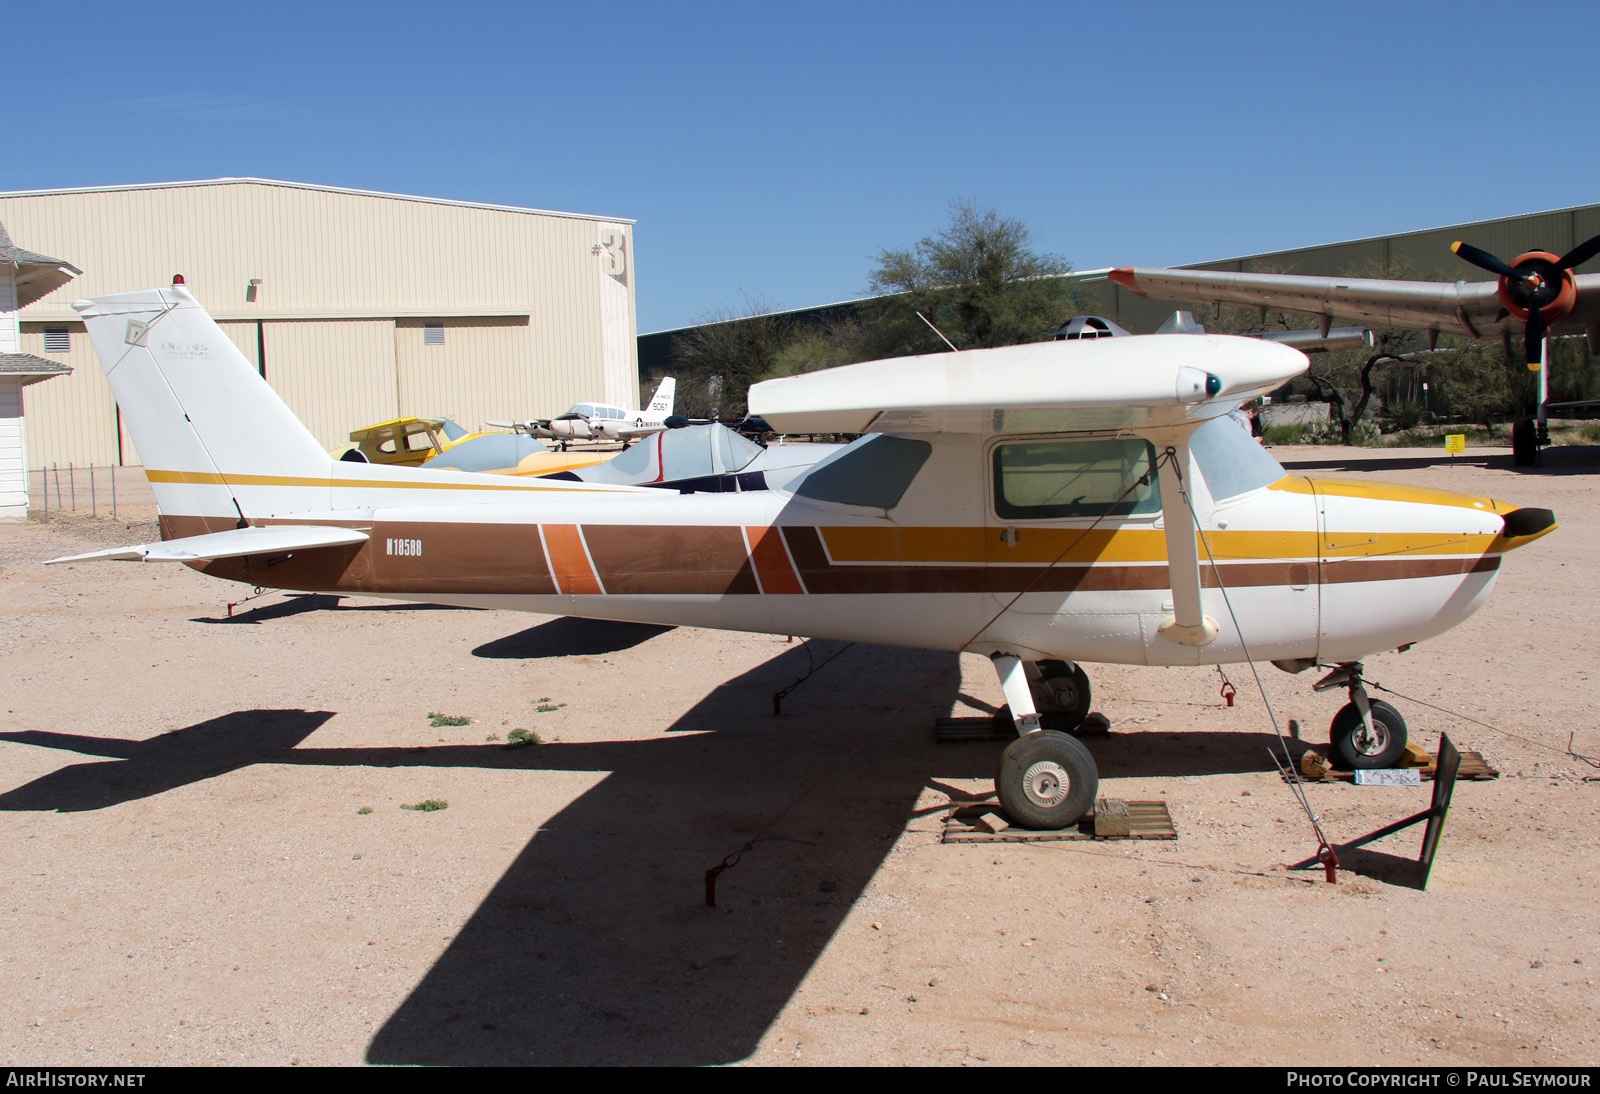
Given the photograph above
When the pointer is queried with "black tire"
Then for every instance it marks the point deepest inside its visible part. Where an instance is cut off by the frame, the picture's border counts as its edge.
(1525, 443)
(1061, 695)
(1046, 780)
(1350, 753)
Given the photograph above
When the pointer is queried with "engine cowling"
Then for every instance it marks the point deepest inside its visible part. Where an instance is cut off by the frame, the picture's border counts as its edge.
(1544, 283)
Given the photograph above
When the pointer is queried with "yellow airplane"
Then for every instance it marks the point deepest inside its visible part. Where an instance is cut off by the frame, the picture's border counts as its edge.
(441, 443)
(1043, 505)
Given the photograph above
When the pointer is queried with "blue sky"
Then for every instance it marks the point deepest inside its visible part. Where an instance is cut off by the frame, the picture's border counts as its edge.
(768, 152)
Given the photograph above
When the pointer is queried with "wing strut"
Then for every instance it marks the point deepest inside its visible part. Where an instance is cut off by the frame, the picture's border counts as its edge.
(1188, 624)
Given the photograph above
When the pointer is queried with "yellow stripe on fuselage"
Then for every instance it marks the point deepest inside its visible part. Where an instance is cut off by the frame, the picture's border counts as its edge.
(211, 478)
(1035, 546)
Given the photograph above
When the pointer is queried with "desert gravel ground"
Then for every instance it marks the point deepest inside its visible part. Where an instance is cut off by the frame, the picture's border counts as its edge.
(189, 876)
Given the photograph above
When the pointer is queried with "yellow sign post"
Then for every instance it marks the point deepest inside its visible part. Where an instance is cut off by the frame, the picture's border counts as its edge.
(1455, 444)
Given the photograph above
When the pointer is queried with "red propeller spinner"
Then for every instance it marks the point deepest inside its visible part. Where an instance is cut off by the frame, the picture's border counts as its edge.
(1537, 288)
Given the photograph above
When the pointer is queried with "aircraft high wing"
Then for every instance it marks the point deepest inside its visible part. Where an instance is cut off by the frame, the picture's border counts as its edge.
(1537, 295)
(1041, 505)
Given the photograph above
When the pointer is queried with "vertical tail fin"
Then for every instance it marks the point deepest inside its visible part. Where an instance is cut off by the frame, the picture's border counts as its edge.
(661, 401)
(215, 439)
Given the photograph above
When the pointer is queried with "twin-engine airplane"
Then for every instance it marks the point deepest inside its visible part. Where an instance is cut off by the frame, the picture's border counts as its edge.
(604, 422)
(1037, 504)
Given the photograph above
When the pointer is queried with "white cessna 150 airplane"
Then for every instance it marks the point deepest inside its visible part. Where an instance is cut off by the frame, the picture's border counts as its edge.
(1038, 504)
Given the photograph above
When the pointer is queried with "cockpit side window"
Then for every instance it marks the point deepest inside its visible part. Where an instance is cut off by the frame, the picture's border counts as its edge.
(1036, 480)
(875, 471)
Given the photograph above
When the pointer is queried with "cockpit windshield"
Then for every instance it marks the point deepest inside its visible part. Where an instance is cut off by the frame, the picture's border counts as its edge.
(1232, 461)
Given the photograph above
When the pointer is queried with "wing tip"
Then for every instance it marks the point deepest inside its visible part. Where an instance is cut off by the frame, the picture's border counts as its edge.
(1125, 276)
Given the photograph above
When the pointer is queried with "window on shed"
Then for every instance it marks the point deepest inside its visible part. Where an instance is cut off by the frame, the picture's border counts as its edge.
(433, 334)
(57, 340)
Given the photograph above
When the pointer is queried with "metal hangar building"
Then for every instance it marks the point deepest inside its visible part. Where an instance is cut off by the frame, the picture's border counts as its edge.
(356, 306)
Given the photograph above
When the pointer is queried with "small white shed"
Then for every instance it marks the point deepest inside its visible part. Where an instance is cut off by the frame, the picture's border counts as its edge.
(24, 278)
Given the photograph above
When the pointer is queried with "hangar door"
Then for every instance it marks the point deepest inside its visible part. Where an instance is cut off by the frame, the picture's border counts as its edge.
(335, 374)
(472, 369)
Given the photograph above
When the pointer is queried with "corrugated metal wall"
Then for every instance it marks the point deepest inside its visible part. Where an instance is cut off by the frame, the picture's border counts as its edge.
(333, 401)
(540, 305)
(70, 419)
(428, 385)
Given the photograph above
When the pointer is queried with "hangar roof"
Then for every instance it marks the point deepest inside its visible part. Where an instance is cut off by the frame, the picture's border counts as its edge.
(311, 186)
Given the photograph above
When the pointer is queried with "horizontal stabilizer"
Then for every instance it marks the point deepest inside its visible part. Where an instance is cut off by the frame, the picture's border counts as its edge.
(230, 544)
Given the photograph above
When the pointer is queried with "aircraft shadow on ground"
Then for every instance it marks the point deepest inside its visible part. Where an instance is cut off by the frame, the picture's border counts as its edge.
(569, 636)
(1159, 754)
(300, 603)
(1560, 460)
(130, 770)
(595, 946)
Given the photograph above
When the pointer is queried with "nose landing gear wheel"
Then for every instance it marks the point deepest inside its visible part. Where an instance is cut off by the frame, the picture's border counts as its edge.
(1047, 780)
(1355, 749)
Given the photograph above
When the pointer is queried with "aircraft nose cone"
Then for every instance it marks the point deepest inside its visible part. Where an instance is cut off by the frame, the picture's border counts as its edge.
(1528, 522)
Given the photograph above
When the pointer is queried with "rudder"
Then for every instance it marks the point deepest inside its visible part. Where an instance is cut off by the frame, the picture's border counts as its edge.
(215, 439)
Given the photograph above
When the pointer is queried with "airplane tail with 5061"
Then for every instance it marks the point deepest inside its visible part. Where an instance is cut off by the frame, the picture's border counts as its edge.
(1042, 505)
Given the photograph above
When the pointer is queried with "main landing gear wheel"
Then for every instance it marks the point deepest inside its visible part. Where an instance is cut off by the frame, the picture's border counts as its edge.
(1354, 749)
(1061, 694)
(1046, 780)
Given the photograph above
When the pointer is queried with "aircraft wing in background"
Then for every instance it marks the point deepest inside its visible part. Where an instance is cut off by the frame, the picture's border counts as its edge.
(1470, 308)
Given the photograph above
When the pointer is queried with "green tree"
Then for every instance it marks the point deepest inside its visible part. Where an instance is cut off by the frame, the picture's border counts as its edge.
(717, 360)
(815, 346)
(979, 280)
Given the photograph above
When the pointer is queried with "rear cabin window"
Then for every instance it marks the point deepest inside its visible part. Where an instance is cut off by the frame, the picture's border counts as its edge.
(1066, 480)
(875, 471)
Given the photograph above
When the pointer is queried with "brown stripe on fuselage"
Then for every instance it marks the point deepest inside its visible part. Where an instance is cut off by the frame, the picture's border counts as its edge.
(445, 558)
(1340, 571)
(670, 559)
(461, 558)
(448, 557)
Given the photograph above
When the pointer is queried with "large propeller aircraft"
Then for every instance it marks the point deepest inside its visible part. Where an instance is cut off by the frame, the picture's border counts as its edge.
(1042, 505)
(1537, 295)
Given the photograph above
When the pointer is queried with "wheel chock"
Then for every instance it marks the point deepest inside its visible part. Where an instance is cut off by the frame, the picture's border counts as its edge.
(1313, 765)
(1112, 819)
(1415, 756)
